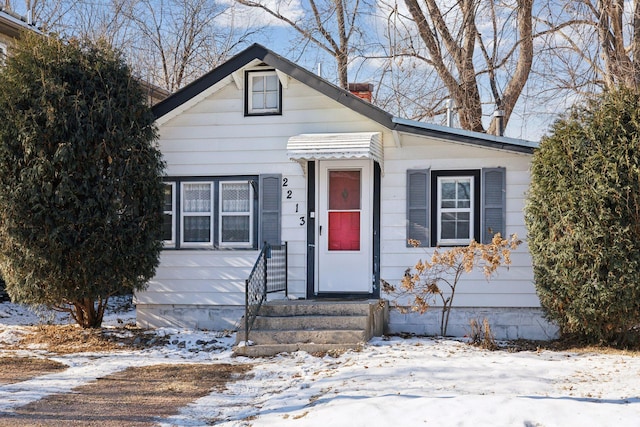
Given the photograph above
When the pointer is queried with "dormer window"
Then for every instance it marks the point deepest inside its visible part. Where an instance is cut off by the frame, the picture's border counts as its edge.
(263, 93)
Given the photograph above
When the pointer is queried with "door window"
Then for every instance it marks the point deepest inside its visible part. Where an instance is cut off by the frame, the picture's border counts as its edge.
(344, 210)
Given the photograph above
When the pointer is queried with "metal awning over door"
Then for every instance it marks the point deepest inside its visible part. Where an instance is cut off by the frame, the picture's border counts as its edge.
(334, 146)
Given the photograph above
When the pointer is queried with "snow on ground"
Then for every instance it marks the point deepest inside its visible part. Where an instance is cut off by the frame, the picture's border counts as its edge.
(404, 382)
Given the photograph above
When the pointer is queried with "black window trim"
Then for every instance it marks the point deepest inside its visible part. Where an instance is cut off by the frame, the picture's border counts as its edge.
(435, 174)
(253, 179)
(247, 92)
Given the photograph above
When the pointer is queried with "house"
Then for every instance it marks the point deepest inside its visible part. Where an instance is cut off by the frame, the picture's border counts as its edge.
(262, 150)
(11, 26)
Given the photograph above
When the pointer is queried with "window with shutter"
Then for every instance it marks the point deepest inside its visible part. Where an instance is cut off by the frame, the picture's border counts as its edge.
(214, 212)
(451, 207)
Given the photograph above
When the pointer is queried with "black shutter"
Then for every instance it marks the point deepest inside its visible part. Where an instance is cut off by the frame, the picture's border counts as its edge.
(418, 206)
(270, 209)
(493, 203)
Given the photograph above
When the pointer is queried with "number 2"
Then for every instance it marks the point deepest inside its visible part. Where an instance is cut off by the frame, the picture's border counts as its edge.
(285, 182)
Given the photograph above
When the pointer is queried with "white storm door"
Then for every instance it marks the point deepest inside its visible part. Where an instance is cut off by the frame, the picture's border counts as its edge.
(344, 228)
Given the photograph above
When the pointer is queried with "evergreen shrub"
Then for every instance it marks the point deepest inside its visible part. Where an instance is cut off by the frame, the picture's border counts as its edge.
(583, 220)
(81, 177)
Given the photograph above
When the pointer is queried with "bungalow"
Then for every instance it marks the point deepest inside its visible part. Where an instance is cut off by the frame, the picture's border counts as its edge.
(262, 150)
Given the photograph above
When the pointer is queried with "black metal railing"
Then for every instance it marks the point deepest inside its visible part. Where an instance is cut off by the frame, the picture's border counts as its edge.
(269, 274)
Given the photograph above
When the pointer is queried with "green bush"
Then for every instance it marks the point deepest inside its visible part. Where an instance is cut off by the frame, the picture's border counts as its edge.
(583, 219)
(81, 193)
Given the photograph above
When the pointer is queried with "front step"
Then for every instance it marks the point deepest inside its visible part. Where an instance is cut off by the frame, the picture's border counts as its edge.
(323, 336)
(266, 350)
(312, 307)
(309, 322)
(313, 326)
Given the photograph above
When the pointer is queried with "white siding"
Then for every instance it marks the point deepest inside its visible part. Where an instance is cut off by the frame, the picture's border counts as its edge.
(511, 287)
(214, 138)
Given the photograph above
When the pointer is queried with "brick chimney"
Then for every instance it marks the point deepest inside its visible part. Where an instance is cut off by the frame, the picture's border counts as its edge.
(362, 90)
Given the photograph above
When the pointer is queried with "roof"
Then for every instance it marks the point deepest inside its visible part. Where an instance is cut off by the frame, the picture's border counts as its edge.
(344, 97)
(12, 24)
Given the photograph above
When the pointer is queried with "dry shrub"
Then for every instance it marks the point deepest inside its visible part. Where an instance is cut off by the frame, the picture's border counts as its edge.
(435, 280)
(481, 335)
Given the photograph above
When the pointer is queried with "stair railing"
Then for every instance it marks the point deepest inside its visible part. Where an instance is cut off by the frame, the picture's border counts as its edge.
(269, 274)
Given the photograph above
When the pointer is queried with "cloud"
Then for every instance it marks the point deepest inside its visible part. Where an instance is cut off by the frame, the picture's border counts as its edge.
(254, 17)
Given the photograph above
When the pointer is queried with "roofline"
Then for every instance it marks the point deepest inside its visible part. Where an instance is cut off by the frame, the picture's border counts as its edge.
(257, 51)
(464, 136)
(344, 97)
(16, 21)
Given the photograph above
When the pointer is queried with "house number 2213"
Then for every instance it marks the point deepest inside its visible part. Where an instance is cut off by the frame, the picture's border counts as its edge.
(289, 196)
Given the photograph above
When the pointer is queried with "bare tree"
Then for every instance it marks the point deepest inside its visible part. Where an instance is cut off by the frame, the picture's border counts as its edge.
(332, 25)
(169, 43)
(43, 14)
(178, 37)
(597, 45)
(466, 58)
(405, 84)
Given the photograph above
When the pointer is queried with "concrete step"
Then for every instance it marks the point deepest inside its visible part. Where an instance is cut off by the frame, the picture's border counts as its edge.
(314, 308)
(310, 323)
(266, 350)
(268, 336)
(313, 326)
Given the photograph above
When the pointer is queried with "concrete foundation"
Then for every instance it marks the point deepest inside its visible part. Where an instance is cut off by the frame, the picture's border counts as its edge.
(202, 317)
(505, 323)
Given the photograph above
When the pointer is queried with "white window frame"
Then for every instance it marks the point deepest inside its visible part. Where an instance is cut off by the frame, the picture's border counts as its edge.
(257, 111)
(441, 210)
(184, 214)
(171, 243)
(222, 214)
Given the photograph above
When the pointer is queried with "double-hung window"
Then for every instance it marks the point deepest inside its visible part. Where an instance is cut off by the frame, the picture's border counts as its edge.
(197, 214)
(239, 212)
(455, 211)
(169, 214)
(236, 214)
(263, 93)
(453, 207)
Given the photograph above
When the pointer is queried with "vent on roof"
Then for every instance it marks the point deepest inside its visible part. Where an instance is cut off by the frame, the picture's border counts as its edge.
(499, 115)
